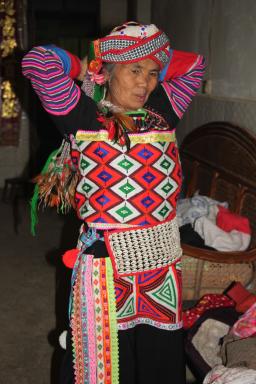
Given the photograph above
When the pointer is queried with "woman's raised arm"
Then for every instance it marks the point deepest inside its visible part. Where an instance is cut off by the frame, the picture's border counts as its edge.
(52, 71)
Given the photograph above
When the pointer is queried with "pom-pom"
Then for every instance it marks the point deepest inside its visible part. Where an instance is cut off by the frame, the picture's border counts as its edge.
(69, 257)
(63, 339)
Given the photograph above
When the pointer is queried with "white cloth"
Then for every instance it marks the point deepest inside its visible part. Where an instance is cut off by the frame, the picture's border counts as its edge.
(201, 212)
(223, 375)
(207, 338)
(190, 209)
(218, 239)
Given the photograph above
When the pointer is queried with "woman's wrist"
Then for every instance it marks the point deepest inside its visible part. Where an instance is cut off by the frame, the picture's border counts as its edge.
(83, 69)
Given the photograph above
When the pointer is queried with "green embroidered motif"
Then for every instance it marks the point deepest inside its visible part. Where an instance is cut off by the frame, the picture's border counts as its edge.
(168, 187)
(128, 310)
(126, 164)
(127, 188)
(84, 164)
(163, 211)
(167, 293)
(165, 164)
(86, 187)
(124, 212)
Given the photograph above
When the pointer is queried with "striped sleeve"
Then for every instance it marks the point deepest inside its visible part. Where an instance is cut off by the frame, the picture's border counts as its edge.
(50, 69)
(182, 79)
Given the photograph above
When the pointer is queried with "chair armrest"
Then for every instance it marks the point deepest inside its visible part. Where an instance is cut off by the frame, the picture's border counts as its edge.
(219, 257)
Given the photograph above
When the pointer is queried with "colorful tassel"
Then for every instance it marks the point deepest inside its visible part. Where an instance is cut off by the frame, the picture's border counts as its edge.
(56, 184)
(118, 126)
(34, 200)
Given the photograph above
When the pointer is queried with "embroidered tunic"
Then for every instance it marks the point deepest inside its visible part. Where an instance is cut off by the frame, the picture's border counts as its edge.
(119, 189)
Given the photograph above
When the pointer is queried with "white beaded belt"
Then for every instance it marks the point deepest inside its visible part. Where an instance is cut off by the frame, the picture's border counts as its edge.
(144, 249)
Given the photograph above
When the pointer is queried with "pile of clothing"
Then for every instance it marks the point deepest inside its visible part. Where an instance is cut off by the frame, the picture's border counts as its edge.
(207, 223)
(220, 338)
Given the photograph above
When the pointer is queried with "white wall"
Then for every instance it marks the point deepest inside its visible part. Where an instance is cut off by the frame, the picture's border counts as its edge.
(224, 31)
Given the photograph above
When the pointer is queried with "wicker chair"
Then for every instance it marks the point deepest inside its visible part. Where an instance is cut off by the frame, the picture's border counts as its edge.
(219, 161)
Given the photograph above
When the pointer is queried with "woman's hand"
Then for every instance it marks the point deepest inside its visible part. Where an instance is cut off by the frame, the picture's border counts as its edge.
(83, 69)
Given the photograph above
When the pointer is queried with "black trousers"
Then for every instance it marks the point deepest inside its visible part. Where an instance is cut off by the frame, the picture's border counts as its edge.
(147, 355)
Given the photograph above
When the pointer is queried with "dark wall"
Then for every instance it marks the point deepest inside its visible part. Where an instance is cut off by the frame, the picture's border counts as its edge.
(70, 24)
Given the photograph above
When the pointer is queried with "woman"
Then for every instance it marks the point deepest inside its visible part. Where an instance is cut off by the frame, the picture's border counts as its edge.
(125, 310)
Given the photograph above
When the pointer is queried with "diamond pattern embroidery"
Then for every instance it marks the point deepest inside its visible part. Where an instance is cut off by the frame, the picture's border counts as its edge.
(124, 212)
(87, 187)
(86, 210)
(165, 165)
(102, 199)
(163, 211)
(101, 152)
(146, 201)
(86, 164)
(148, 178)
(105, 177)
(144, 155)
(125, 164)
(127, 188)
(167, 187)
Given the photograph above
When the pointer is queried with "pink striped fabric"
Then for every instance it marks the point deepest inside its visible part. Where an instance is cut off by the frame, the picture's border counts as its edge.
(180, 89)
(56, 90)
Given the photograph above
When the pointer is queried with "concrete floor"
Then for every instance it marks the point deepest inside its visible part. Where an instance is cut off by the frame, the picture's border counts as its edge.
(34, 292)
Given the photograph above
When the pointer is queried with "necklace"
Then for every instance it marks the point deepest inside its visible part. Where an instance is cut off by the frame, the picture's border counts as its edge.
(110, 106)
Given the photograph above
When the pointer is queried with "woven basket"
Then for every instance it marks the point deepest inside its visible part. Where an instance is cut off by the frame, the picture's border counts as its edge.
(202, 276)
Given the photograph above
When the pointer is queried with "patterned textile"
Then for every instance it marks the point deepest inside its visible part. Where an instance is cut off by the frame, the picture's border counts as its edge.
(45, 70)
(146, 248)
(127, 189)
(94, 323)
(113, 324)
(246, 325)
(129, 43)
(223, 375)
(209, 301)
(101, 322)
(83, 324)
(152, 298)
(184, 84)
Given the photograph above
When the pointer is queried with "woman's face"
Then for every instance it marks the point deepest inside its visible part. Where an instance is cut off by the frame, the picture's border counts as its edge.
(131, 84)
